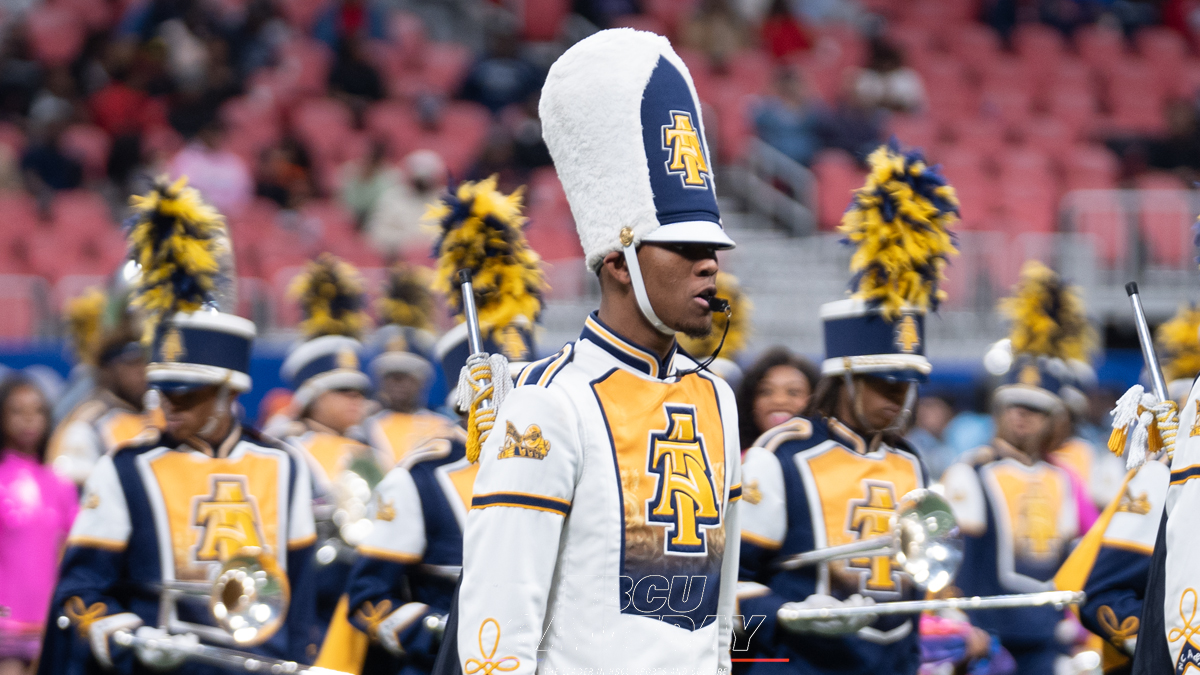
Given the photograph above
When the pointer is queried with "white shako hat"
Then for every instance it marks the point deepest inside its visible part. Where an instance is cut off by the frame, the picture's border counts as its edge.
(622, 121)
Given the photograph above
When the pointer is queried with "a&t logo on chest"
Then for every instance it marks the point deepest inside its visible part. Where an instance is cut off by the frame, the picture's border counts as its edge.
(872, 517)
(227, 518)
(686, 499)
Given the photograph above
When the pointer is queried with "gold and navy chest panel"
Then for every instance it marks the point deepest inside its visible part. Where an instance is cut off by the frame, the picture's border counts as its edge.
(207, 509)
(668, 442)
(853, 496)
(333, 453)
(1030, 500)
(403, 432)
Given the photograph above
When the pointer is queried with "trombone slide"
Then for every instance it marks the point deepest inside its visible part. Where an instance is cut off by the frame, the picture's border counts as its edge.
(227, 658)
(871, 546)
(1057, 599)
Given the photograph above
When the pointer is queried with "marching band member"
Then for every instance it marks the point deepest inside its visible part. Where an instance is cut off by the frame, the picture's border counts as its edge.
(329, 405)
(1018, 513)
(106, 338)
(400, 591)
(837, 474)
(403, 370)
(603, 525)
(176, 508)
(1112, 563)
(724, 362)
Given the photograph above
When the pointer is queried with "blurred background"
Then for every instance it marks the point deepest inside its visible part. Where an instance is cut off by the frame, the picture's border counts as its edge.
(1069, 128)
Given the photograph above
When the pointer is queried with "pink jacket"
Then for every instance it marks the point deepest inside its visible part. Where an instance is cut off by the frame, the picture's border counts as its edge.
(37, 508)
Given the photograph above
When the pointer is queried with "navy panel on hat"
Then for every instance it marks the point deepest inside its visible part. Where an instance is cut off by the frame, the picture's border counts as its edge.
(516, 344)
(681, 176)
(859, 338)
(342, 360)
(203, 346)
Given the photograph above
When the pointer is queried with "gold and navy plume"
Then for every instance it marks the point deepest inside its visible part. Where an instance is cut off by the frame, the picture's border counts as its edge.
(481, 232)
(331, 294)
(1179, 344)
(1048, 316)
(729, 289)
(85, 316)
(900, 221)
(183, 249)
(407, 299)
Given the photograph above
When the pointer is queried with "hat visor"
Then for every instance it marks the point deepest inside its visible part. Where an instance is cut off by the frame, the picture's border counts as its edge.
(691, 232)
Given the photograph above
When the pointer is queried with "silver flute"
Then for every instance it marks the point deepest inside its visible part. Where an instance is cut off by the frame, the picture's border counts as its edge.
(1057, 599)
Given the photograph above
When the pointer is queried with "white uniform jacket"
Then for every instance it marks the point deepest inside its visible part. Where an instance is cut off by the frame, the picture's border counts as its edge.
(597, 534)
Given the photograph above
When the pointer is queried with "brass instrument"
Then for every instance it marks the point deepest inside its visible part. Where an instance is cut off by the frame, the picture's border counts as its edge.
(926, 543)
(249, 600)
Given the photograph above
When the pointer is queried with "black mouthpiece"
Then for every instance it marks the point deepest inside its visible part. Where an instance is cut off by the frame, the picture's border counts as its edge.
(1131, 288)
(716, 305)
(464, 277)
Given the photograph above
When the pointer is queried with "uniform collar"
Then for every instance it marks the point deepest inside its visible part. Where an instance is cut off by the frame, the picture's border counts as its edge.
(846, 436)
(223, 450)
(1005, 450)
(631, 354)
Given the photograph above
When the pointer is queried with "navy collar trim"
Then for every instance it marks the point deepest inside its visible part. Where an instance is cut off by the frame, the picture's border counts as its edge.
(631, 354)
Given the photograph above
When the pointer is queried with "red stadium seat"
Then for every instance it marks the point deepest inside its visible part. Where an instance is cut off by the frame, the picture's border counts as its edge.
(1074, 107)
(90, 145)
(964, 169)
(1101, 47)
(19, 305)
(1099, 214)
(324, 124)
(1050, 135)
(1013, 105)
(56, 34)
(1164, 48)
(641, 22)
(1038, 44)
(1031, 206)
(983, 136)
(1166, 227)
(838, 176)
(542, 19)
(82, 213)
(915, 131)
(1026, 164)
(670, 12)
(1159, 180)
(974, 44)
(1090, 166)
(73, 286)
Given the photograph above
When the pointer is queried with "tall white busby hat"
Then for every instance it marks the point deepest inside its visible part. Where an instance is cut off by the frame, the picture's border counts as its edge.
(622, 121)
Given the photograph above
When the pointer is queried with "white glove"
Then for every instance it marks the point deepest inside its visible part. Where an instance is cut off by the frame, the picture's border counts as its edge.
(166, 651)
(388, 630)
(829, 627)
(102, 629)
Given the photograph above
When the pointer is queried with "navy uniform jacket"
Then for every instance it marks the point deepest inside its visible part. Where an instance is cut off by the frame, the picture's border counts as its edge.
(168, 511)
(1018, 518)
(410, 563)
(809, 484)
(1116, 584)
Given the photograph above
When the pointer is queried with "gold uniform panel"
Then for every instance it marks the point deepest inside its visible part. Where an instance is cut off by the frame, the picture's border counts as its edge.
(333, 453)
(463, 481)
(669, 444)
(404, 432)
(1034, 496)
(858, 494)
(214, 507)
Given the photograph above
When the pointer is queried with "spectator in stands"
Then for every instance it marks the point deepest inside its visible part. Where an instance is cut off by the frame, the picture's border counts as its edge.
(933, 416)
(285, 175)
(791, 121)
(887, 82)
(120, 106)
(855, 126)
(525, 129)
(775, 389)
(784, 35)
(54, 103)
(1179, 148)
(220, 175)
(37, 508)
(717, 31)
(395, 224)
(20, 75)
(46, 167)
(503, 76)
(364, 183)
(352, 78)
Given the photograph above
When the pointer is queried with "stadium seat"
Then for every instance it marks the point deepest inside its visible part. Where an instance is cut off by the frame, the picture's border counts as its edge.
(983, 136)
(90, 145)
(1073, 106)
(964, 169)
(914, 131)
(1031, 205)
(974, 44)
(1166, 227)
(1164, 48)
(1090, 166)
(19, 305)
(1013, 105)
(1026, 163)
(641, 22)
(541, 20)
(1048, 134)
(12, 136)
(1101, 47)
(1185, 82)
(302, 13)
(56, 34)
(1099, 214)
(73, 286)
(838, 176)
(671, 13)
(324, 125)
(82, 213)
(1038, 44)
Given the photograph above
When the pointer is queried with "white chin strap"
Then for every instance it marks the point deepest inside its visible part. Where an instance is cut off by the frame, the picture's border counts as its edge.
(639, 290)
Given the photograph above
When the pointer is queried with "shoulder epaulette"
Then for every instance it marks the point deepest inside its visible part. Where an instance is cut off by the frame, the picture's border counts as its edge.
(541, 373)
(795, 429)
(979, 456)
(262, 439)
(431, 450)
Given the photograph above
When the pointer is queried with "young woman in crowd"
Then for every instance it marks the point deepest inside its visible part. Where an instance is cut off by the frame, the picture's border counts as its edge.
(775, 389)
